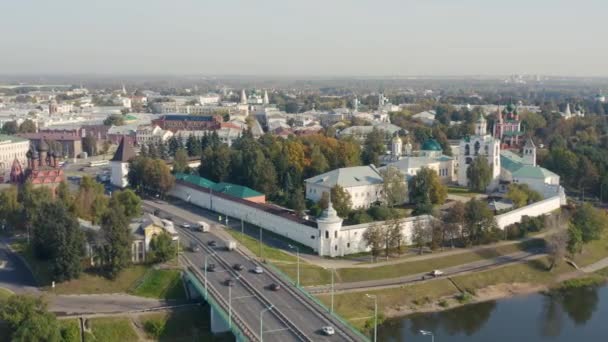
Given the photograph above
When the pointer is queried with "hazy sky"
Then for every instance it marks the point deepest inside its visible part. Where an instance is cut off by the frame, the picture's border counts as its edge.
(305, 37)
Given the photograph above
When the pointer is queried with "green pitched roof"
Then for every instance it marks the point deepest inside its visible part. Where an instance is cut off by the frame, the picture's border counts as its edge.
(529, 171)
(510, 161)
(431, 145)
(196, 180)
(236, 190)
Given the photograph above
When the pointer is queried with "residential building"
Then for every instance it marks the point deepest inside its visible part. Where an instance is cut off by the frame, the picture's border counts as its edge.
(66, 142)
(177, 122)
(363, 183)
(427, 117)
(151, 134)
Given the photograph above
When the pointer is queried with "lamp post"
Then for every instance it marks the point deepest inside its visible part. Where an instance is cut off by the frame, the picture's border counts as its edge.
(375, 315)
(427, 333)
(262, 321)
(298, 263)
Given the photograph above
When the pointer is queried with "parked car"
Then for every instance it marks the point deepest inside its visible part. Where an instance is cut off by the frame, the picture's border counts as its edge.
(211, 268)
(275, 287)
(258, 270)
(212, 243)
(229, 282)
(328, 330)
(238, 267)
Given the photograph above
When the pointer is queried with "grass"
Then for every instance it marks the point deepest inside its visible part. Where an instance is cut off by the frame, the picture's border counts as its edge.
(183, 325)
(591, 281)
(162, 284)
(603, 272)
(110, 329)
(593, 251)
(93, 283)
(420, 266)
(5, 293)
(269, 253)
(464, 192)
(70, 330)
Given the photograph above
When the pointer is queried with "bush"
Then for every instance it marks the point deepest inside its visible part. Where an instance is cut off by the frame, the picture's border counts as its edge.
(70, 333)
(154, 327)
(360, 216)
(464, 297)
(444, 303)
(532, 224)
(380, 213)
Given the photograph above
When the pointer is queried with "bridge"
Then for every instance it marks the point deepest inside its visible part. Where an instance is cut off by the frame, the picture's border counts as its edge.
(250, 308)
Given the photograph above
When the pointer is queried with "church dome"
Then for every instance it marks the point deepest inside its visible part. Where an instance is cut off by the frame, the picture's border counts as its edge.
(431, 145)
(396, 139)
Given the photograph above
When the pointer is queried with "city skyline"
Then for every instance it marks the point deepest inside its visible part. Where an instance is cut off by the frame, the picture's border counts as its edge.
(390, 38)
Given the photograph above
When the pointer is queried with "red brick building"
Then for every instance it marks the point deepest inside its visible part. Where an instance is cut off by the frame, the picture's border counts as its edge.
(175, 122)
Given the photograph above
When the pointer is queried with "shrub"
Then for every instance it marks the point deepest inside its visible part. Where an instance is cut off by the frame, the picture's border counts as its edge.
(444, 303)
(154, 327)
(464, 297)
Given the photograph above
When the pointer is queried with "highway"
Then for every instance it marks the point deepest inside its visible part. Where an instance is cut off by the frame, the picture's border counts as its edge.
(293, 317)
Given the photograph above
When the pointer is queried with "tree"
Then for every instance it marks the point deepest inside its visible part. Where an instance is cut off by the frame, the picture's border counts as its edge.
(10, 209)
(480, 225)
(395, 234)
(58, 239)
(89, 145)
(557, 245)
(294, 150)
(193, 145)
(129, 202)
(421, 234)
(373, 237)
(587, 224)
(115, 251)
(373, 147)
(297, 202)
(455, 221)
(158, 177)
(65, 195)
(10, 128)
(426, 190)
(180, 161)
(479, 174)
(28, 319)
(114, 120)
(341, 201)
(27, 126)
(521, 195)
(394, 187)
(318, 162)
(162, 248)
(90, 201)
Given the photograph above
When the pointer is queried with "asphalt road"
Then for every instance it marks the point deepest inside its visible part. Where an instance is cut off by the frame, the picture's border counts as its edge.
(14, 274)
(305, 314)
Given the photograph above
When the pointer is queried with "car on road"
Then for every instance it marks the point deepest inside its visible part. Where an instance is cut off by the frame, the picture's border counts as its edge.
(436, 273)
(211, 268)
(212, 243)
(238, 267)
(328, 330)
(274, 287)
(195, 247)
(229, 282)
(185, 226)
(258, 270)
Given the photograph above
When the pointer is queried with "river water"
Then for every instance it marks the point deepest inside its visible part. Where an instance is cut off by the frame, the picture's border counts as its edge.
(579, 315)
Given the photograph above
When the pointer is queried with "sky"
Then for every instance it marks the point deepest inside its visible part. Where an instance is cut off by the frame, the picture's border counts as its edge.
(304, 37)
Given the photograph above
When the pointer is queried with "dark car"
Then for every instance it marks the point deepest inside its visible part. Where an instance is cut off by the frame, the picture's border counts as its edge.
(212, 243)
(274, 287)
(238, 267)
(229, 282)
(211, 267)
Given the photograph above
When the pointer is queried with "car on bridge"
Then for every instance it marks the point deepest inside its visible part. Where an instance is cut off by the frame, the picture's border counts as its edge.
(212, 243)
(238, 267)
(211, 268)
(328, 330)
(274, 287)
(229, 282)
(258, 270)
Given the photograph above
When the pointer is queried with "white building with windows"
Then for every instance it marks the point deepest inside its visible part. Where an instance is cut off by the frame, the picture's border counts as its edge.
(149, 134)
(12, 148)
(363, 183)
(430, 156)
(475, 146)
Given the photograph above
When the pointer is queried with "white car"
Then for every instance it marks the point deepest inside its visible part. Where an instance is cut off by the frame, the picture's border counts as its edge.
(258, 270)
(436, 273)
(185, 225)
(328, 330)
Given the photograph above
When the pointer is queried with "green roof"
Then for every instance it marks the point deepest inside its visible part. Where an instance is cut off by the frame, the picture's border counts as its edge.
(510, 161)
(236, 190)
(224, 188)
(130, 117)
(431, 145)
(529, 171)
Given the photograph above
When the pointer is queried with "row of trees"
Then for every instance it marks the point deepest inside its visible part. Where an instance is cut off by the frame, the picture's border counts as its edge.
(11, 127)
(151, 176)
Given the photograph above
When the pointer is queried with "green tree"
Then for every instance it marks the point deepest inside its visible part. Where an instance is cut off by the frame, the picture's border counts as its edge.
(479, 174)
(590, 222)
(162, 248)
(373, 147)
(521, 195)
(180, 161)
(426, 190)
(193, 145)
(10, 128)
(28, 319)
(116, 248)
(394, 187)
(129, 202)
(341, 201)
(89, 145)
(90, 201)
(114, 120)
(27, 126)
(158, 177)
(297, 202)
(480, 225)
(10, 209)
(421, 235)
(374, 238)
(455, 221)
(318, 162)
(65, 195)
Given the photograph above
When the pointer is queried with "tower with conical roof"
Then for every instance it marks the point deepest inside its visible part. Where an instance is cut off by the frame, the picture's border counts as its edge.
(529, 152)
(329, 225)
(266, 101)
(120, 163)
(396, 146)
(243, 97)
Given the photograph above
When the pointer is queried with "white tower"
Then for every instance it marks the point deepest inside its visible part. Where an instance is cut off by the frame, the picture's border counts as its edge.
(356, 105)
(120, 163)
(529, 156)
(408, 147)
(243, 97)
(397, 146)
(567, 113)
(481, 126)
(329, 225)
(266, 101)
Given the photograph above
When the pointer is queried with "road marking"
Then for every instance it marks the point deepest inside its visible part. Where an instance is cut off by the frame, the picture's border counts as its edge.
(275, 330)
(241, 297)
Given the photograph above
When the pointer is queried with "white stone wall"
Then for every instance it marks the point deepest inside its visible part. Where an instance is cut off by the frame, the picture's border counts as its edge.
(361, 196)
(306, 235)
(119, 174)
(533, 210)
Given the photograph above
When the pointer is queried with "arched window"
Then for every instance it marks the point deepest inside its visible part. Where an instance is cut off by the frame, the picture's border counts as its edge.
(326, 234)
(477, 147)
(486, 149)
(469, 160)
(467, 150)
(336, 234)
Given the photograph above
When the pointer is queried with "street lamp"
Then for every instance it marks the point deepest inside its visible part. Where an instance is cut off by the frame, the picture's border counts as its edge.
(262, 321)
(230, 303)
(298, 262)
(427, 333)
(375, 314)
(206, 264)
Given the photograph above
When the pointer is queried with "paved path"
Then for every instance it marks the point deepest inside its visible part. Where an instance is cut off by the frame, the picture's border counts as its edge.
(102, 303)
(477, 266)
(596, 266)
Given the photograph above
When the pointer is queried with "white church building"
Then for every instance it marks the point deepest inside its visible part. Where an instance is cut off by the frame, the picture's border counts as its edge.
(120, 163)
(475, 146)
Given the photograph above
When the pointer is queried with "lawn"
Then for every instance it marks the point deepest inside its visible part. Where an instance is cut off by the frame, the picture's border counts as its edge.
(110, 329)
(268, 253)
(162, 284)
(462, 192)
(93, 283)
(593, 251)
(5, 293)
(191, 324)
(420, 266)
(70, 330)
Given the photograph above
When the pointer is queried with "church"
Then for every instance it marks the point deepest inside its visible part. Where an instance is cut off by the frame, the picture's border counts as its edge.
(42, 168)
(507, 127)
(477, 145)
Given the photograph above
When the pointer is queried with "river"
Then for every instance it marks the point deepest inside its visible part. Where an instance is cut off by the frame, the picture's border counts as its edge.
(578, 315)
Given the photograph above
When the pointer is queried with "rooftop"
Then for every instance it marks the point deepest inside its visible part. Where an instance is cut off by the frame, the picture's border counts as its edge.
(348, 177)
(6, 139)
(223, 187)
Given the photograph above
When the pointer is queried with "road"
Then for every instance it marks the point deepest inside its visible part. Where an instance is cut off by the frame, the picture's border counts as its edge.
(247, 304)
(475, 266)
(14, 273)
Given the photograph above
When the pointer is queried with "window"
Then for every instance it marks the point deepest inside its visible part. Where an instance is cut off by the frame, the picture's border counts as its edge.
(348, 245)
(326, 234)
(486, 149)
(467, 150)
(312, 237)
(477, 147)
(336, 234)
(336, 247)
